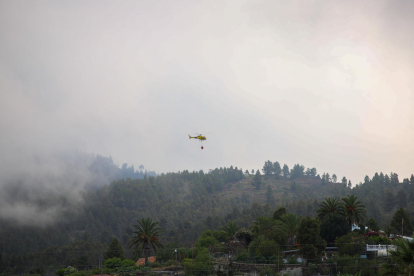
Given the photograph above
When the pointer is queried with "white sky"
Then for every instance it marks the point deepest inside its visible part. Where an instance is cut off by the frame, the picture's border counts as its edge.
(327, 84)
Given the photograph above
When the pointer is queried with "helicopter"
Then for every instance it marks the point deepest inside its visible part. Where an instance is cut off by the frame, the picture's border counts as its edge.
(199, 137)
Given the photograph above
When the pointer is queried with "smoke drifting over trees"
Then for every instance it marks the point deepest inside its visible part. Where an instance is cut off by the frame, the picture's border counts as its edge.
(40, 191)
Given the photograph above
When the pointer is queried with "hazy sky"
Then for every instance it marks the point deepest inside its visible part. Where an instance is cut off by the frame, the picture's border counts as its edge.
(327, 84)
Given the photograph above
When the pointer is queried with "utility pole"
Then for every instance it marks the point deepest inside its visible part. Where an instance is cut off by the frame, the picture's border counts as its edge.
(277, 261)
(402, 227)
(101, 263)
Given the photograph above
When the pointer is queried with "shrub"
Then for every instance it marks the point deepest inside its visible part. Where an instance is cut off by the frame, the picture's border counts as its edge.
(260, 260)
(171, 263)
(292, 260)
(378, 240)
(152, 265)
(198, 267)
(70, 270)
(132, 270)
(273, 260)
(267, 271)
(350, 244)
(60, 272)
(243, 257)
(79, 273)
(95, 271)
(112, 263)
(348, 264)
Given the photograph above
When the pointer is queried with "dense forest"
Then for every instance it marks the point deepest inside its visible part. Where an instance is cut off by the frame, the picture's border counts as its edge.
(186, 204)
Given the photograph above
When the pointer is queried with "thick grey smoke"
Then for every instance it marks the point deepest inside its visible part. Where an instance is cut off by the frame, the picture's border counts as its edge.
(42, 188)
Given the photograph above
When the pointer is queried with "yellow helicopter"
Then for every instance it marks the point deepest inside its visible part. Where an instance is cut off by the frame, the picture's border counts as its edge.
(199, 137)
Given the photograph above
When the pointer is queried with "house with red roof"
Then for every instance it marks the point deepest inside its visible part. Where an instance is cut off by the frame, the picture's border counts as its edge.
(150, 260)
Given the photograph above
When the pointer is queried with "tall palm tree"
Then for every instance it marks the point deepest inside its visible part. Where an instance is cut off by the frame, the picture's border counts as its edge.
(353, 210)
(230, 229)
(147, 233)
(290, 227)
(329, 206)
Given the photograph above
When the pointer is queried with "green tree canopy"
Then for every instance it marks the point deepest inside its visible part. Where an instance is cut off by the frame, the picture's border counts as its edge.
(279, 212)
(114, 250)
(257, 180)
(311, 244)
(351, 244)
(285, 170)
(389, 201)
(401, 199)
(206, 239)
(401, 218)
(394, 179)
(270, 198)
(372, 225)
(267, 248)
(297, 171)
(333, 226)
(344, 181)
(268, 168)
(277, 170)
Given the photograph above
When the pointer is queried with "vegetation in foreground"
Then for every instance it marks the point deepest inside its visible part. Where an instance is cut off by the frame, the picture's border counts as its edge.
(187, 205)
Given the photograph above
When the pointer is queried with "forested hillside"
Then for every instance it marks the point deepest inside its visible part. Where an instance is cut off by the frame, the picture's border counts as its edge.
(186, 204)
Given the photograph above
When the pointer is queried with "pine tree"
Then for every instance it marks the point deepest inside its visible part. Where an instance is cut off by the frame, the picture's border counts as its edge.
(401, 199)
(270, 198)
(114, 250)
(277, 170)
(285, 170)
(327, 177)
(401, 218)
(381, 178)
(268, 168)
(297, 171)
(387, 180)
(406, 182)
(389, 201)
(344, 181)
(257, 180)
(394, 179)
